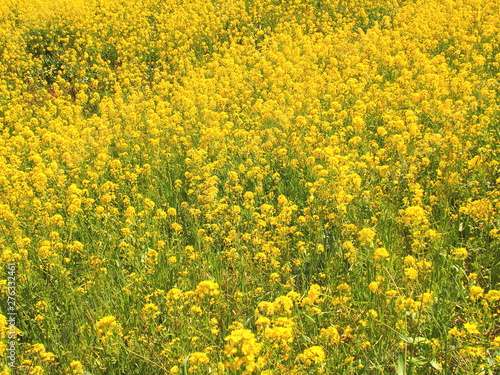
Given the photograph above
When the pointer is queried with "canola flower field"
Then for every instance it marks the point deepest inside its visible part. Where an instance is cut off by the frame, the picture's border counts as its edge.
(250, 186)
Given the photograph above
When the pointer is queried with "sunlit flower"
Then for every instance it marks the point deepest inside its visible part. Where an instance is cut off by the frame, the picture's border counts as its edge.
(312, 355)
(459, 253)
(471, 328)
(76, 367)
(380, 253)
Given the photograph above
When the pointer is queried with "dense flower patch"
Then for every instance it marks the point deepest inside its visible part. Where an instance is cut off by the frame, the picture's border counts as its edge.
(251, 186)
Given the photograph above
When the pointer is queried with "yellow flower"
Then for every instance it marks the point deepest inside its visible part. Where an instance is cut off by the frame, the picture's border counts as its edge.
(414, 216)
(3, 325)
(149, 204)
(38, 348)
(312, 296)
(366, 235)
(496, 342)
(374, 285)
(312, 355)
(472, 352)
(198, 358)
(294, 296)
(150, 309)
(380, 253)
(176, 227)
(350, 251)
(279, 334)
(262, 321)
(411, 273)
(37, 370)
(243, 347)
(266, 308)
(274, 277)
(76, 367)
(460, 253)
(471, 328)
(476, 292)
(160, 214)
(456, 332)
(493, 295)
(106, 327)
(283, 304)
(106, 321)
(381, 131)
(409, 260)
(348, 360)
(196, 310)
(344, 287)
(152, 257)
(207, 288)
(331, 334)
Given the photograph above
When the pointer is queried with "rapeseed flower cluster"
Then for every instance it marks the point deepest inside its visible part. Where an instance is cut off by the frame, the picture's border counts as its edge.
(234, 186)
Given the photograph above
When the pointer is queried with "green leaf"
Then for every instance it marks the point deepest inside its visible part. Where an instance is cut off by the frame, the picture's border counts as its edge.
(414, 340)
(185, 365)
(401, 369)
(418, 361)
(435, 365)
